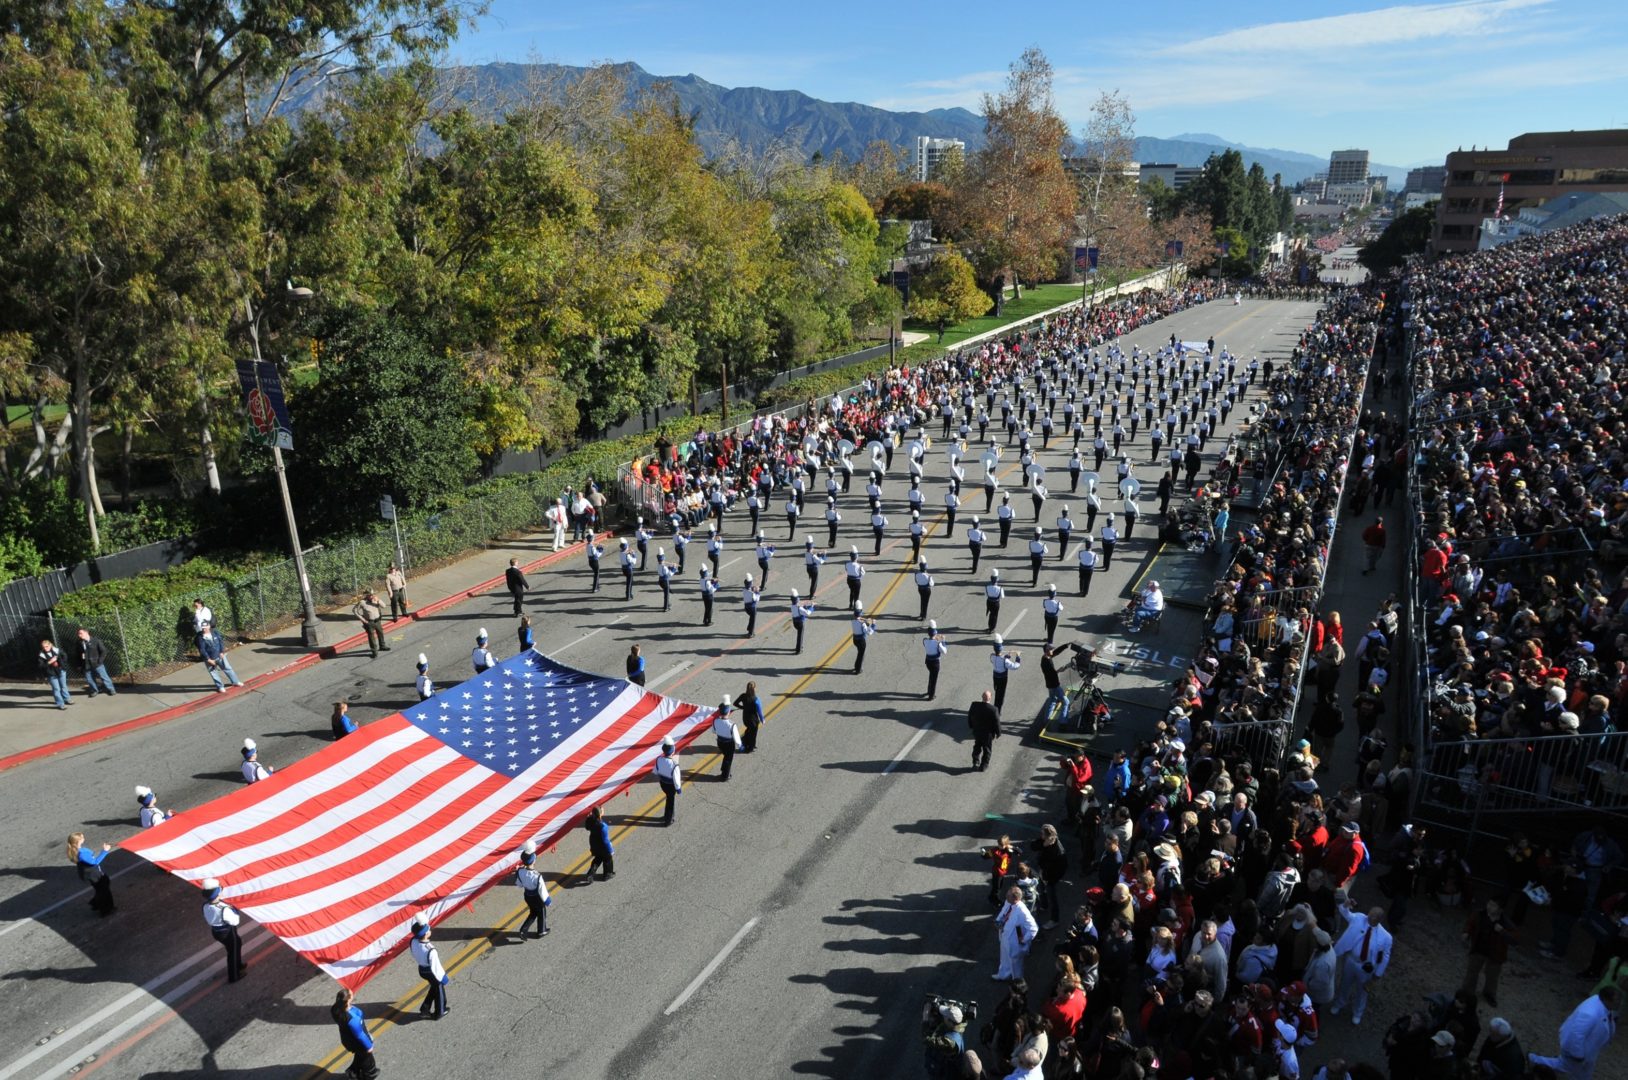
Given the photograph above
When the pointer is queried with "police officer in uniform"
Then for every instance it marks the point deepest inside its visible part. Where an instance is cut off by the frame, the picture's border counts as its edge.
(1002, 662)
(856, 574)
(934, 648)
(924, 587)
(223, 920)
(480, 657)
(253, 771)
(1004, 516)
(749, 600)
(430, 970)
(765, 552)
(425, 687)
(709, 589)
(993, 595)
(799, 615)
(595, 553)
(150, 813)
(665, 572)
(628, 561)
(1052, 609)
(975, 543)
(1037, 556)
(723, 729)
(535, 891)
(669, 776)
(812, 561)
(862, 629)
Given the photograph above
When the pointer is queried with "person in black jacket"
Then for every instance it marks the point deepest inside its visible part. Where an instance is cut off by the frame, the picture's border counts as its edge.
(985, 722)
(1051, 858)
(93, 658)
(515, 579)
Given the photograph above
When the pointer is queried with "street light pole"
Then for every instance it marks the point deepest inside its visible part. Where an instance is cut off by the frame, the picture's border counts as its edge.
(310, 628)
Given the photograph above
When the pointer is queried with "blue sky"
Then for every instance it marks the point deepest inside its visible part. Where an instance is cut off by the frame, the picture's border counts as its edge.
(1409, 82)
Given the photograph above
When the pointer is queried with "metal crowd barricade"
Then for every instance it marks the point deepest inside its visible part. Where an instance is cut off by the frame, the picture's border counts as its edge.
(1535, 774)
(1261, 632)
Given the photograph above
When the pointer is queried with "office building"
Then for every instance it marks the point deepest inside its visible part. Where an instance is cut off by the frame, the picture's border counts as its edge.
(1427, 179)
(1537, 166)
(1348, 167)
(930, 152)
(1175, 177)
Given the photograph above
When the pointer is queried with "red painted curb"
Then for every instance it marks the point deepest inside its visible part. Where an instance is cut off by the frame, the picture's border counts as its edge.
(327, 652)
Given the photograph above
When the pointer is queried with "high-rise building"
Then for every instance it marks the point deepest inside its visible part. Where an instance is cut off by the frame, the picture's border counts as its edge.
(930, 152)
(1426, 180)
(1175, 177)
(1537, 166)
(1348, 167)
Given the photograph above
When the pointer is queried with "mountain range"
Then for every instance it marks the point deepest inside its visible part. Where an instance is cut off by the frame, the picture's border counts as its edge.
(756, 118)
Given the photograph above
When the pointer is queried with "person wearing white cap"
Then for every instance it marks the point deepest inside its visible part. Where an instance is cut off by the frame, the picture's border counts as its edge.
(799, 618)
(1065, 529)
(430, 970)
(480, 657)
(975, 543)
(628, 561)
(150, 813)
(1110, 537)
(642, 535)
(924, 587)
(1052, 610)
(856, 574)
(1037, 555)
(253, 771)
(669, 776)
(535, 891)
(595, 551)
(728, 736)
(832, 520)
(918, 533)
(812, 561)
(223, 921)
(749, 600)
(934, 648)
(425, 686)
(993, 595)
(765, 552)
(862, 630)
(709, 590)
(1003, 662)
(793, 508)
(665, 572)
(681, 541)
(952, 502)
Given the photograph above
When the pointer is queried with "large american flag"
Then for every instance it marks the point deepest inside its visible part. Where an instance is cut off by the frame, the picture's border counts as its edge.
(421, 811)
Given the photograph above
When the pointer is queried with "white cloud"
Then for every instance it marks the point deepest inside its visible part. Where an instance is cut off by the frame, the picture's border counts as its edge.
(1381, 26)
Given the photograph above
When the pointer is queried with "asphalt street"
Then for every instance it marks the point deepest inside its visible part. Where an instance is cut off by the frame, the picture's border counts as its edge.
(789, 922)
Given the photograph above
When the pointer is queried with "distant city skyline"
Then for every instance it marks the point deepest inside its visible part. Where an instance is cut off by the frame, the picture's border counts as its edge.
(1407, 82)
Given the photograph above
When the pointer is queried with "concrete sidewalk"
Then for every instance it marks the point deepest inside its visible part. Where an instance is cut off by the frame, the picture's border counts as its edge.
(35, 728)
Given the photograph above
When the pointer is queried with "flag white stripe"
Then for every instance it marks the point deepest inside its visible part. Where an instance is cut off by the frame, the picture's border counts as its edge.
(270, 809)
(522, 825)
(355, 849)
(448, 837)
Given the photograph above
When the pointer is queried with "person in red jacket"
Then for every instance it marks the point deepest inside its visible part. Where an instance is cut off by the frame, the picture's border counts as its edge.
(1076, 781)
(1313, 838)
(1373, 543)
(1433, 566)
(1344, 856)
(1064, 1012)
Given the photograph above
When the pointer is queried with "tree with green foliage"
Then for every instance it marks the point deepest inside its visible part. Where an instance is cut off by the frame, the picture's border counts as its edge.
(1407, 234)
(387, 416)
(947, 292)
